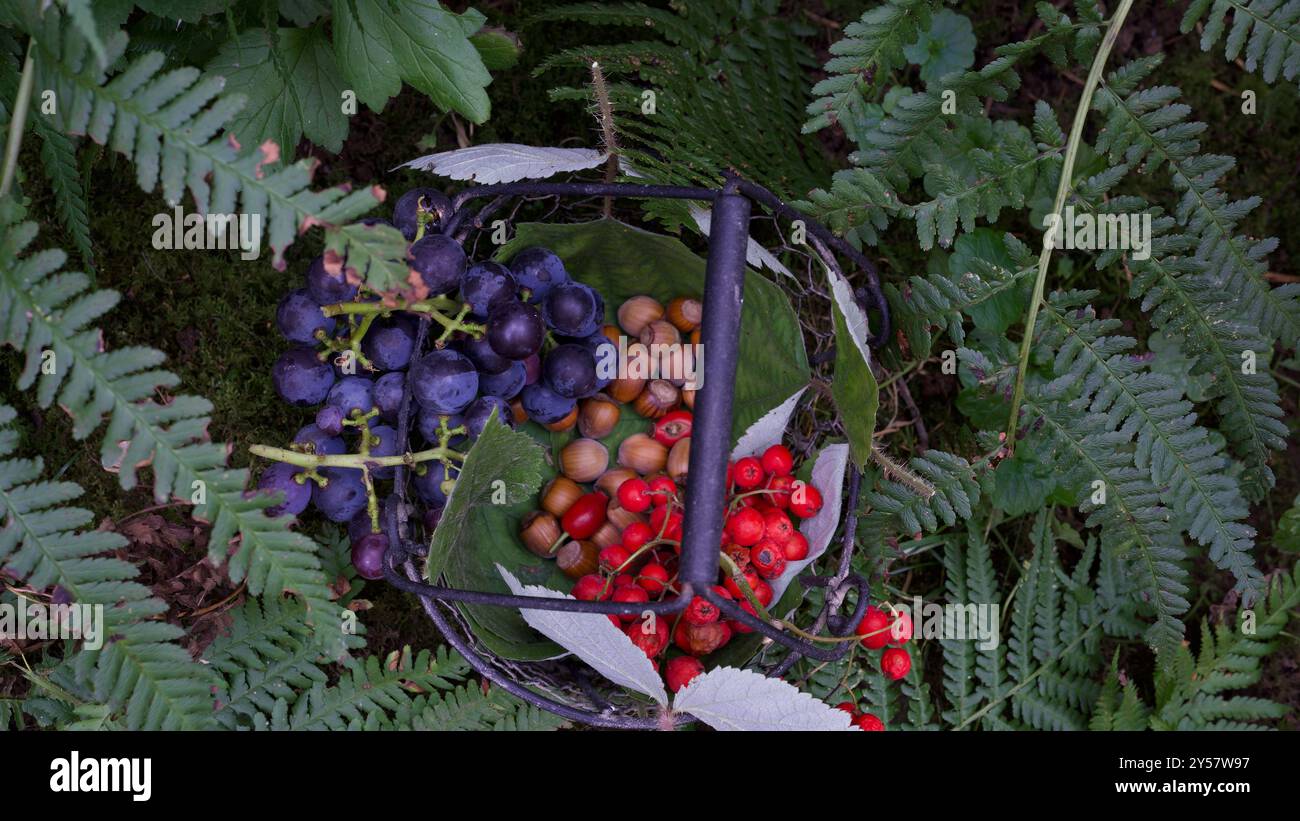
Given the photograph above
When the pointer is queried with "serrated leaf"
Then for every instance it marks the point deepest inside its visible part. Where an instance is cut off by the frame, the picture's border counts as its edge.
(854, 388)
(506, 162)
(293, 85)
(373, 254)
(593, 638)
(380, 45)
(726, 698)
(498, 48)
(475, 535)
(768, 430)
(828, 477)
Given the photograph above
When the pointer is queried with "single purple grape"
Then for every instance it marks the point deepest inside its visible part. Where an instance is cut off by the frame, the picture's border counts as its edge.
(544, 405)
(387, 394)
(427, 423)
(443, 381)
(570, 371)
(326, 288)
(351, 393)
(389, 343)
(386, 446)
(537, 270)
(405, 210)
(282, 478)
(440, 261)
(299, 317)
(330, 420)
(479, 411)
(343, 495)
(368, 555)
(485, 285)
(573, 309)
(325, 444)
(484, 358)
(429, 484)
(300, 378)
(515, 330)
(506, 384)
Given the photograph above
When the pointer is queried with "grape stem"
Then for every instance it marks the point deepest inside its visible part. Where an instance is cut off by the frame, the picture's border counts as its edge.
(432, 307)
(355, 461)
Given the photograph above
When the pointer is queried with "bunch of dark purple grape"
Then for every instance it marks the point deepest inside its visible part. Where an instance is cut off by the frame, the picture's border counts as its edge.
(525, 335)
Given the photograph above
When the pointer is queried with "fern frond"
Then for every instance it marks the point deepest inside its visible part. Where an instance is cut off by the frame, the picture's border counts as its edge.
(1192, 308)
(1191, 695)
(59, 158)
(1185, 463)
(139, 672)
(943, 301)
(170, 124)
(1267, 31)
(1133, 522)
(955, 493)
(871, 48)
(47, 315)
(713, 71)
(1118, 708)
(368, 694)
(269, 653)
(1147, 129)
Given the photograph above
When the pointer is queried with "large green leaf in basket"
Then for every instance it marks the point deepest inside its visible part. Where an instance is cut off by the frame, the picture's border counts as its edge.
(498, 484)
(621, 261)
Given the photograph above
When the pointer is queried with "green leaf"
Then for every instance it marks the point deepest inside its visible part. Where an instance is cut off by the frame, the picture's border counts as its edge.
(498, 48)
(856, 394)
(1021, 484)
(1005, 309)
(948, 46)
(381, 44)
(188, 10)
(621, 261)
(1287, 534)
(293, 85)
(375, 254)
(477, 532)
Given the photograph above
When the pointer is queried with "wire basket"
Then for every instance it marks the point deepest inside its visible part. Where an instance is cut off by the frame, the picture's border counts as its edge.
(554, 687)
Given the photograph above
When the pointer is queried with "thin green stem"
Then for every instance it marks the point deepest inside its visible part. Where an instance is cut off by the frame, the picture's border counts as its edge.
(18, 122)
(352, 460)
(1062, 191)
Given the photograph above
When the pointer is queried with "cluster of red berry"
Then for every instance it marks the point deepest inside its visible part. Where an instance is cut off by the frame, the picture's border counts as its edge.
(863, 721)
(760, 536)
(879, 630)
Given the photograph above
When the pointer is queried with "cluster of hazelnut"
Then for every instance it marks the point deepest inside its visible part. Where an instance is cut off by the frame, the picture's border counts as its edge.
(621, 541)
(647, 321)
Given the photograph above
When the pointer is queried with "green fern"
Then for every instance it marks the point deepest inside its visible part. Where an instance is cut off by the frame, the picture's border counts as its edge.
(950, 493)
(46, 311)
(1147, 129)
(715, 69)
(1265, 32)
(1184, 462)
(140, 676)
(872, 48)
(1194, 693)
(170, 125)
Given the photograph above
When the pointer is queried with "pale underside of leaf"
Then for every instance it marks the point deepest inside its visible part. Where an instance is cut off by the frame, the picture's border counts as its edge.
(593, 638)
(726, 698)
